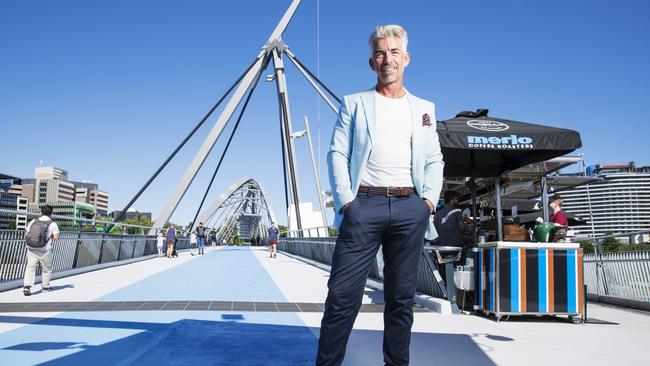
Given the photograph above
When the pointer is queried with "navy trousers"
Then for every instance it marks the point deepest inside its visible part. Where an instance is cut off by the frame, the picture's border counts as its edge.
(398, 225)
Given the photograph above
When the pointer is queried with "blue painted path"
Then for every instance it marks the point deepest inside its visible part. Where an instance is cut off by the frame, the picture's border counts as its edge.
(171, 337)
(227, 274)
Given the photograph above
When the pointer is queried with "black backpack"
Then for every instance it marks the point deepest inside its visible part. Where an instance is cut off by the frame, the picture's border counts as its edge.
(37, 237)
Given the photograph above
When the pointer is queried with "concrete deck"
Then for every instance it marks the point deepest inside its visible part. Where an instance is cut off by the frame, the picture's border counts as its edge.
(183, 332)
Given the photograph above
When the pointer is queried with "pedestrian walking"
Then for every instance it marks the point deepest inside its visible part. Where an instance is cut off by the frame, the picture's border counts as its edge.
(274, 234)
(160, 241)
(171, 241)
(39, 238)
(200, 233)
(193, 242)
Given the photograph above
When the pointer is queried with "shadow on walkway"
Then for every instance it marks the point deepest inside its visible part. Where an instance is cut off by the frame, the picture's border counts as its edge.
(232, 342)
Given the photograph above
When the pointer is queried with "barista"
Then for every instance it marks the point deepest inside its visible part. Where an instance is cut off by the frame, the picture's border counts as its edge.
(558, 218)
(449, 222)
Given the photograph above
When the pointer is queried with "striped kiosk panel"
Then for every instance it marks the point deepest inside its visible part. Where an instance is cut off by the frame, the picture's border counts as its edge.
(550, 290)
(523, 274)
(560, 281)
(531, 300)
(542, 282)
(504, 280)
(524, 280)
(515, 280)
(487, 280)
(573, 285)
(479, 281)
(581, 283)
(492, 277)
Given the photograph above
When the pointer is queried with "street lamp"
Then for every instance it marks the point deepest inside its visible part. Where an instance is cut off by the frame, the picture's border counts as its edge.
(306, 132)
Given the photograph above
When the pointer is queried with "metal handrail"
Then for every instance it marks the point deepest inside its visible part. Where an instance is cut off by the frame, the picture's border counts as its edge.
(75, 250)
(303, 230)
(597, 238)
(322, 250)
(69, 218)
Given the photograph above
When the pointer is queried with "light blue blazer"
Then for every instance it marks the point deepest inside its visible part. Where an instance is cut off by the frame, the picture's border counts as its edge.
(352, 143)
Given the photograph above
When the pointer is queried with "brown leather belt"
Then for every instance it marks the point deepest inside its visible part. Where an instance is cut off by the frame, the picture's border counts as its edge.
(387, 191)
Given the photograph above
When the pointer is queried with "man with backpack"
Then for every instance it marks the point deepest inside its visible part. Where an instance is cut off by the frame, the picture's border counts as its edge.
(39, 235)
(200, 233)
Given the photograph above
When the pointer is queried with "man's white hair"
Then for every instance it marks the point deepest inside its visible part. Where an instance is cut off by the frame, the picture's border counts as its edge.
(388, 30)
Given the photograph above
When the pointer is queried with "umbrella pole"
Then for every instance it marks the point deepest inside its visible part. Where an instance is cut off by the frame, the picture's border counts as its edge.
(497, 185)
(476, 221)
(545, 199)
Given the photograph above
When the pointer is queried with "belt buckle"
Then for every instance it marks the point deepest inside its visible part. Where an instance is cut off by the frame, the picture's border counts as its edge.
(388, 194)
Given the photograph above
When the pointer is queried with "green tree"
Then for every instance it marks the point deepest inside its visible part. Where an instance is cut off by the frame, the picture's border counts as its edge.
(611, 244)
(283, 230)
(139, 221)
(587, 247)
(634, 247)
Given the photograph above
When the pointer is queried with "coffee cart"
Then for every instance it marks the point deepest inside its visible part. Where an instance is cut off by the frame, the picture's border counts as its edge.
(519, 278)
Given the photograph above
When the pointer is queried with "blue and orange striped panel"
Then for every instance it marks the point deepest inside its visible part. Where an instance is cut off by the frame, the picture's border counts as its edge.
(532, 280)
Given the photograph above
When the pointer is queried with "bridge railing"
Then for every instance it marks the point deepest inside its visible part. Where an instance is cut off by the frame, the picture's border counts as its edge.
(76, 250)
(621, 278)
(321, 250)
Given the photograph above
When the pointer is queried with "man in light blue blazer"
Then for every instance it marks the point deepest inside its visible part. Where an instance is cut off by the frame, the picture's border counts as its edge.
(385, 169)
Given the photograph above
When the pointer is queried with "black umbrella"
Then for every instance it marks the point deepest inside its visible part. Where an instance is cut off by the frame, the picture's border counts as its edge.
(476, 145)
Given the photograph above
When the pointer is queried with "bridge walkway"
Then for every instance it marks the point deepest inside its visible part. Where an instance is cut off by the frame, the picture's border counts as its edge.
(236, 306)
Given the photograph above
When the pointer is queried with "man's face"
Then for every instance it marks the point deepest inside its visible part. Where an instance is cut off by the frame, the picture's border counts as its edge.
(388, 60)
(552, 205)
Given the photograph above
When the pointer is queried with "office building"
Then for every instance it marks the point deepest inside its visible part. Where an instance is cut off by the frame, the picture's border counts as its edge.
(53, 190)
(11, 199)
(620, 203)
(50, 172)
(90, 193)
(51, 186)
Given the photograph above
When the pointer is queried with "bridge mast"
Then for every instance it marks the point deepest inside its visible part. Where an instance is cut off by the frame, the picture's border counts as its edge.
(269, 47)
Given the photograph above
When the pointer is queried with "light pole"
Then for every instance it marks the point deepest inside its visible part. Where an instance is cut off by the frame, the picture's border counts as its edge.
(307, 132)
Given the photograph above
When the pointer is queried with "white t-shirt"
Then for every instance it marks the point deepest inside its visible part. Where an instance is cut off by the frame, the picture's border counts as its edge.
(52, 230)
(389, 164)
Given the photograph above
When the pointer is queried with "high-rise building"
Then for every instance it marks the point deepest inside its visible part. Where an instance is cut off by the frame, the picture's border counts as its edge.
(22, 205)
(620, 203)
(10, 184)
(54, 190)
(9, 202)
(51, 186)
(50, 172)
(90, 193)
(11, 199)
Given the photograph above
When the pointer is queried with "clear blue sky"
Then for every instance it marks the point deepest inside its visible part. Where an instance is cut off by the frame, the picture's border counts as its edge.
(107, 89)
